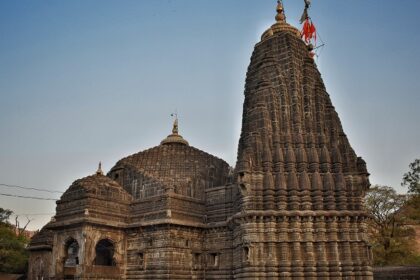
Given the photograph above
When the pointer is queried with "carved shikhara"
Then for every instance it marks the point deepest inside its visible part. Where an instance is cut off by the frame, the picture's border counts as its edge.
(291, 209)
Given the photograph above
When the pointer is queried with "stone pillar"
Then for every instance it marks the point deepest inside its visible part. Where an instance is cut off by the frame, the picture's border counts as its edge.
(284, 250)
(320, 248)
(296, 258)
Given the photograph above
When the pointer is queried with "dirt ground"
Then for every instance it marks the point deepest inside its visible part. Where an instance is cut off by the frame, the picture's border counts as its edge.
(9, 276)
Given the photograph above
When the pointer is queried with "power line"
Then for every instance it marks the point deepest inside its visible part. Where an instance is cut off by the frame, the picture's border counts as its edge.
(36, 214)
(28, 188)
(30, 197)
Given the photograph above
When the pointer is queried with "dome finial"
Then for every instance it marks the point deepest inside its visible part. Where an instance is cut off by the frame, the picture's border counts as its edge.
(280, 12)
(175, 126)
(174, 138)
(99, 171)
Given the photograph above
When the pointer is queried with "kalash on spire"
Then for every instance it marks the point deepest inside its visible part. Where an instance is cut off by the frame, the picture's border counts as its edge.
(308, 32)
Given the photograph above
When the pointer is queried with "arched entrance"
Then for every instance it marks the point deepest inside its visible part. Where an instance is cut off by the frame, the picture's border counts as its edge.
(71, 258)
(104, 253)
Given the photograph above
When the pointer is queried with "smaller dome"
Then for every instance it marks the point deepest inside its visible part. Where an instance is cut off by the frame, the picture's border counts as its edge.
(96, 185)
(174, 139)
(42, 239)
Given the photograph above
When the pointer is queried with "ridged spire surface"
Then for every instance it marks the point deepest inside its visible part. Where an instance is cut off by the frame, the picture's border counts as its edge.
(298, 164)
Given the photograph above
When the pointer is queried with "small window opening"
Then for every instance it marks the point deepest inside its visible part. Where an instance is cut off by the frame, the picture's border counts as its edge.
(214, 259)
(72, 253)
(105, 253)
(246, 254)
(196, 260)
(140, 259)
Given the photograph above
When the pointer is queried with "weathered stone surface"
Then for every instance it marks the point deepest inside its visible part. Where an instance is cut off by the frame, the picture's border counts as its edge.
(397, 273)
(302, 184)
(291, 208)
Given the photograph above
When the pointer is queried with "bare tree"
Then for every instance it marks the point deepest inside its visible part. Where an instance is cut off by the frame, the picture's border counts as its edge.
(21, 230)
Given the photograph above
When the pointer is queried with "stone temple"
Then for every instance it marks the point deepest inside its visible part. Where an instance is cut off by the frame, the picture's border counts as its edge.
(290, 209)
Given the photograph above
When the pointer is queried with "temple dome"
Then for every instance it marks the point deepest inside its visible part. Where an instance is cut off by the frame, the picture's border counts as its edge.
(174, 164)
(96, 198)
(98, 186)
(171, 163)
(174, 139)
(42, 239)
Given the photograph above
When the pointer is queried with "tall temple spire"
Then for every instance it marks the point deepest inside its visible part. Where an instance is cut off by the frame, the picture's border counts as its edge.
(287, 110)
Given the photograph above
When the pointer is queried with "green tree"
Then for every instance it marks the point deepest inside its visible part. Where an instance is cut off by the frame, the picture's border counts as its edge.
(4, 215)
(389, 233)
(13, 255)
(411, 179)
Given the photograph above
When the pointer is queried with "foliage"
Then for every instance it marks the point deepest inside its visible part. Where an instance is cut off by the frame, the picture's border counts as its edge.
(411, 210)
(13, 255)
(399, 250)
(390, 233)
(383, 203)
(4, 215)
(412, 178)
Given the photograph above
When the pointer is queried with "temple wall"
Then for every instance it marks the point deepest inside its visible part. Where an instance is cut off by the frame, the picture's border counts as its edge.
(219, 203)
(218, 253)
(40, 265)
(165, 252)
(188, 208)
(299, 247)
(87, 237)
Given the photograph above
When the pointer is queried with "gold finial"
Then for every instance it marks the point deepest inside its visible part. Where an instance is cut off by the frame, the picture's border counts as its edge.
(280, 12)
(99, 171)
(174, 138)
(175, 126)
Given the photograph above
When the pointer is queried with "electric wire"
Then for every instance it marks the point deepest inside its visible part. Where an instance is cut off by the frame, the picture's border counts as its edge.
(29, 197)
(28, 188)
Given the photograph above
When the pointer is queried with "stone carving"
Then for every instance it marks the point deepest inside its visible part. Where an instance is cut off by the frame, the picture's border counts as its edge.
(291, 208)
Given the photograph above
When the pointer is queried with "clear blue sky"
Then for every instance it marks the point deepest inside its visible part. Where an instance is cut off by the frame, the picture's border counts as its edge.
(84, 81)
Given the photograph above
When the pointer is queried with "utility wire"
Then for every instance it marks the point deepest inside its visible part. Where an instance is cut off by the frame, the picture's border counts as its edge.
(30, 197)
(36, 214)
(28, 188)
